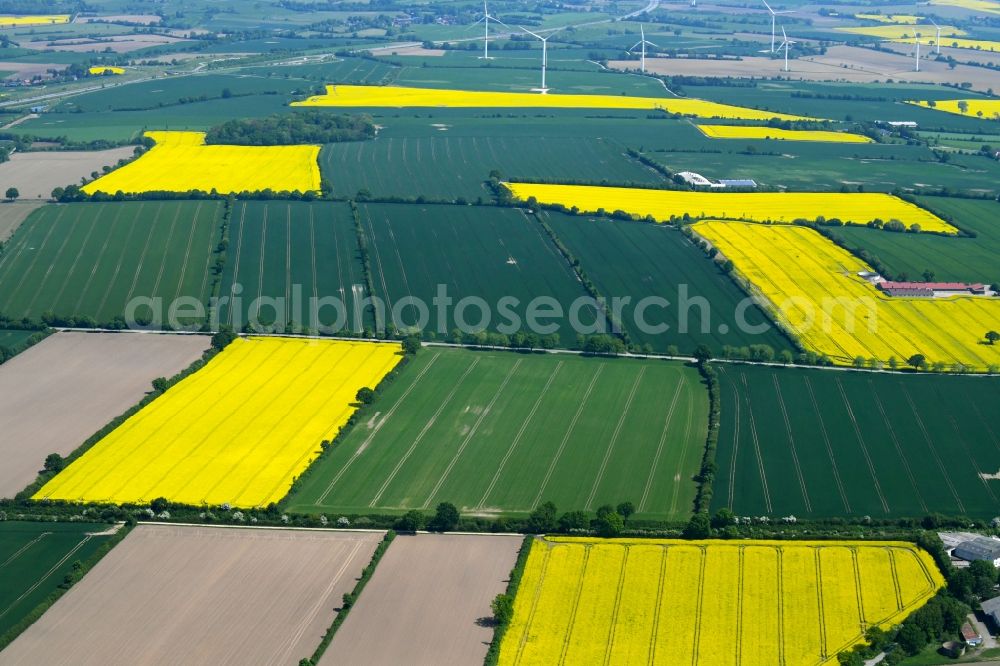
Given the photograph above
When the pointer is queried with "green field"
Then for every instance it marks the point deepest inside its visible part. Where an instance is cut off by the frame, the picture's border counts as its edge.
(13, 339)
(962, 259)
(814, 443)
(280, 249)
(500, 432)
(91, 259)
(638, 260)
(34, 558)
(479, 252)
(448, 167)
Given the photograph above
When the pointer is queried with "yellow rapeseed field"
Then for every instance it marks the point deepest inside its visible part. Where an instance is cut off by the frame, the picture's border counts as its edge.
(99, 70)
(900, 19)
(401, 97)
(978, 107)
(180, 162)
(905, 31)
(777, 207)
(712, 603)
(18, 21)
(237, 431)
(974, 5)
(812, 286)
(955, 42)
(757, 132)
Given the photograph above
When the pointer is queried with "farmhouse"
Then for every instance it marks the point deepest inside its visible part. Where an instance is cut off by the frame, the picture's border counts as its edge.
(931, 289)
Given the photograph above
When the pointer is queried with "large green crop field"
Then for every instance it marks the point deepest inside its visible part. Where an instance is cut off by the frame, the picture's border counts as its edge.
(638, 260)
(963, 259)
(815, 443)
(34, 559)
(470, 252)
(448, 167)
(500, 432)
(293, 251)
(92, 259)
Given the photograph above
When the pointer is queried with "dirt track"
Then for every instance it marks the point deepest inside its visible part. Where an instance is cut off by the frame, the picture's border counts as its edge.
(171, 594)
(64, 389)
(423, 603)
(35, 175)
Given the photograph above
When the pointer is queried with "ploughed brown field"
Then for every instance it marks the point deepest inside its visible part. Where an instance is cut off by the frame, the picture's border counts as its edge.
(36, 174)
(67, 387)
(175, 594)
(12, 215)
(427, 601)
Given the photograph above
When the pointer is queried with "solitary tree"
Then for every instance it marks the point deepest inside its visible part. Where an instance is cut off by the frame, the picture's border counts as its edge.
(12, 193)
(365, 395)
(918, 361)
(445, 518)
(54, 462)
(159, 384)
(699, 527)
(411, 344)
(409, 522)
(543, 519)
(625, 510)
(992, 337)
(503, 609)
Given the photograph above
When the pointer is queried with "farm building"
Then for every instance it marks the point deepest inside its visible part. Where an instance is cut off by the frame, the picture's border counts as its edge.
(971, 636)
(979, 548)
(992, 608)
(930, 289)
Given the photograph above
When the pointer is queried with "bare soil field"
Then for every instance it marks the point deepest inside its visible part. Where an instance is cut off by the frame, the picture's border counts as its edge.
(174, 594)
(13, 214)
(117, 43)
(425, 603)
(840, 63)
(960, 55)
(406, 50)
(27, 70)
(64, 389)
(36, 174)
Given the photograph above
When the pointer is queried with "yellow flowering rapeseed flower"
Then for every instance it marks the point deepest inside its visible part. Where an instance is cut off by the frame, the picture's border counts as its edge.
(776, 207)
(238, 431)
(813, 288)
(979, 107)
(18, 21)
(180, 162)
(739, 603)
(400, 97)
(101, 69)
(755, 132)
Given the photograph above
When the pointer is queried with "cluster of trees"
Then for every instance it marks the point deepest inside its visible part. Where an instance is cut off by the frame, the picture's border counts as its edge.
(607, 521)
(519, 340)
(299, 127)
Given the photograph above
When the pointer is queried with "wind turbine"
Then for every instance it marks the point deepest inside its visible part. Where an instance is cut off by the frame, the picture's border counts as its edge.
(937, 38)
(545, 55)
(916, 39)
(774, 14)
(642, 42)
(785, 42)
(485, 20)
